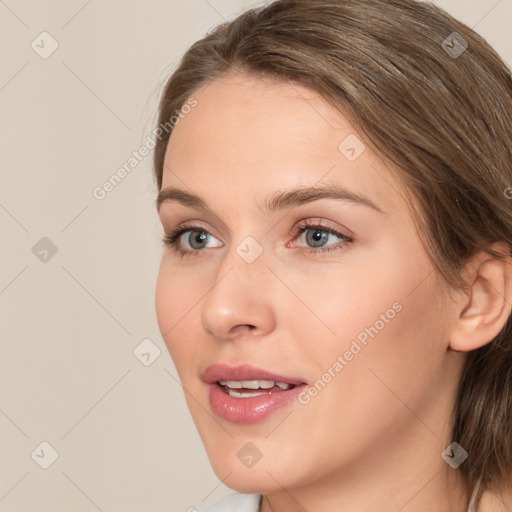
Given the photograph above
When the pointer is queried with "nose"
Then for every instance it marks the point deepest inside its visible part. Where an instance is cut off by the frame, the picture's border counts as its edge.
(239, 300)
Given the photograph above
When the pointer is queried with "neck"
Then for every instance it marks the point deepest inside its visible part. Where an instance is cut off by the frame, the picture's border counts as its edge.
(404, 494)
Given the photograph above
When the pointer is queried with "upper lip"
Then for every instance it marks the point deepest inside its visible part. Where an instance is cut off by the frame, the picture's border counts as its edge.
(220, 371)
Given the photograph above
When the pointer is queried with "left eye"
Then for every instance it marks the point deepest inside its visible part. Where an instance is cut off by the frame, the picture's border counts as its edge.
(195, 239)
(318, 236)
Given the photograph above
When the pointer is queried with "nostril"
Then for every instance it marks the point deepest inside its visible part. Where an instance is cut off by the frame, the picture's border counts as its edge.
(245, 327)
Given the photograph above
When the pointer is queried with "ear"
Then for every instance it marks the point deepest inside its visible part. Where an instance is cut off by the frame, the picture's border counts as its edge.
(484, 310)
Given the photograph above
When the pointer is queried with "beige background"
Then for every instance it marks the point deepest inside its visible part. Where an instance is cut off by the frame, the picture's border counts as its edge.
(70, 324)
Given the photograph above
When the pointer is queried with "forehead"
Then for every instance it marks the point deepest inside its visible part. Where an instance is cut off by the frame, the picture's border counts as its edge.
(252, 136)
(258, 111)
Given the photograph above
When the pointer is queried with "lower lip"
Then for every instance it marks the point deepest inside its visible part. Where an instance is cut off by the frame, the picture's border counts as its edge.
(249, 410)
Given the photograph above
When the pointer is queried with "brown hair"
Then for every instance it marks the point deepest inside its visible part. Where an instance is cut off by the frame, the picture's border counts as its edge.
(444, 119)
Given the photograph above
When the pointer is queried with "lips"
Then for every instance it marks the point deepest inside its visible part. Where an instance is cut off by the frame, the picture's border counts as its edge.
(245, 394)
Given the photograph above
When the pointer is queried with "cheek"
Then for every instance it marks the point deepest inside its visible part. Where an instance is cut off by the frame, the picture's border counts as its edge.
(388, 320)
(380, 310)
(334, 303)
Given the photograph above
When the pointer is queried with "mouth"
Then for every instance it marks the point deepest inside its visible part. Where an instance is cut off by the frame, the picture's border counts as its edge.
(244, 394)
(252, 388)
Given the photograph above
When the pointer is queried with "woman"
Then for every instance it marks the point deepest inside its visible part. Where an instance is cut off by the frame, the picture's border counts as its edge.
(336, 287)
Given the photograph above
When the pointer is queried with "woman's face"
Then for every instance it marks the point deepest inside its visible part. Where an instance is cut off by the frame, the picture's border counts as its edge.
(326, 292)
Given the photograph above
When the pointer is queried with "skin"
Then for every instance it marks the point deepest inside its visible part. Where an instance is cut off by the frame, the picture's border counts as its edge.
(372, 438)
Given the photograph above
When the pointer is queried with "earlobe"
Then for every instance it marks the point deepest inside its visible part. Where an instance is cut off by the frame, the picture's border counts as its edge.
(484, 311)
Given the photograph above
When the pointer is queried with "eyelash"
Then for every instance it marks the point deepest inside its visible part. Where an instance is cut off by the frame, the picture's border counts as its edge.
(172, 240)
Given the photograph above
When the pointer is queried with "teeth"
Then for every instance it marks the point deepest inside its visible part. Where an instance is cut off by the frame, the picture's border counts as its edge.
(233, 384)
(236, 394)
(253, 384)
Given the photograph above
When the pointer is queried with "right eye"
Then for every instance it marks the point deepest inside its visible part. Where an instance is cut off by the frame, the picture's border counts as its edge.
(189, 240)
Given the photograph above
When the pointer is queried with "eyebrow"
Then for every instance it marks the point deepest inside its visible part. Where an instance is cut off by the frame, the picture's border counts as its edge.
(279, 201)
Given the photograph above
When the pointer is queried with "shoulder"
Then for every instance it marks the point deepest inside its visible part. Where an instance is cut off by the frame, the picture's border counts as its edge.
(236, 502)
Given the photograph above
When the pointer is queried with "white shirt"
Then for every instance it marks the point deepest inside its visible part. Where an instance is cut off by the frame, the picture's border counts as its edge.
(237, 502)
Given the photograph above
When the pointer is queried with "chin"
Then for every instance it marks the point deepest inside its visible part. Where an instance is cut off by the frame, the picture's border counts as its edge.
(262, 477)
(249, 481)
